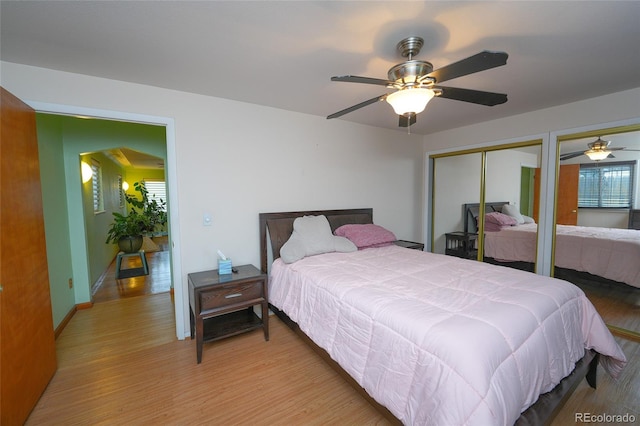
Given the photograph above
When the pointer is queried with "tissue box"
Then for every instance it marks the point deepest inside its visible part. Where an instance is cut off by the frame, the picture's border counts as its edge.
(224, 267)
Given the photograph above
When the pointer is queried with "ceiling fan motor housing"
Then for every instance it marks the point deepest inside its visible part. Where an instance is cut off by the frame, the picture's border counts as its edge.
(410, 46)
(410, 71)
(599, 144)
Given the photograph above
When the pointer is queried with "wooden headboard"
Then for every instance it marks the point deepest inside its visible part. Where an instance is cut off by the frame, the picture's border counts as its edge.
(280, 226)
(472, 211)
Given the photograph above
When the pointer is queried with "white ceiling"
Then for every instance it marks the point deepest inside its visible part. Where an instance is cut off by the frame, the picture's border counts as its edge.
(282, 54)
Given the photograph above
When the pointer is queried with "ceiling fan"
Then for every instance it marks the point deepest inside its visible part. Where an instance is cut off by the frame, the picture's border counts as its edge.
(415, 82)
(598, 150)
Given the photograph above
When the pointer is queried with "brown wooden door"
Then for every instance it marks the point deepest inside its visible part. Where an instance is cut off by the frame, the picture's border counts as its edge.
(567, 208)
(27, 342)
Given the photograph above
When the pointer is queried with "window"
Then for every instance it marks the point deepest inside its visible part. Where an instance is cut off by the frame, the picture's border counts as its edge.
(606, 185)
(96, 182)
(157, 190)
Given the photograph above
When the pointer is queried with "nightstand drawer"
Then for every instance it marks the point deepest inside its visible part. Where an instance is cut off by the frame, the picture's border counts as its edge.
(225, 296)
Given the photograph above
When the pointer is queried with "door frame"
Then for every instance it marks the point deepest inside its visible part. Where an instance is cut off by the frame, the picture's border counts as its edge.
(172, 183)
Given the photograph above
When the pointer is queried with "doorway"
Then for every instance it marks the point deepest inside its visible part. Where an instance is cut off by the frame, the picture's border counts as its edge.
(77, 234)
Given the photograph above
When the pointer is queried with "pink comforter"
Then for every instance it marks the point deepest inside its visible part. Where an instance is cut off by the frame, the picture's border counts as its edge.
(606, 252)
(440, 340)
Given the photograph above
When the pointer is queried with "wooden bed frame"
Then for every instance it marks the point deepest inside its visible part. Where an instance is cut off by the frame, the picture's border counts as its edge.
(275, 230)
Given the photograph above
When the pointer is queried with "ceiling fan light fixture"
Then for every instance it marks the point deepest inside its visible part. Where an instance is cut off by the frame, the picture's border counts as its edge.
(597, 154)
(410, 100)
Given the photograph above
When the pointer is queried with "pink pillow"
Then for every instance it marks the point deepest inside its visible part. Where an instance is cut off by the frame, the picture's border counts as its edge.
(492, 227)
(500, 219)
(367, 235)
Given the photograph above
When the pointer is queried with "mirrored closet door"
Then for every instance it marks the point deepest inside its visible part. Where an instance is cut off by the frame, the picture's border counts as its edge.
(470, 189)
(597, 240)
(456, 182)
(512, 188)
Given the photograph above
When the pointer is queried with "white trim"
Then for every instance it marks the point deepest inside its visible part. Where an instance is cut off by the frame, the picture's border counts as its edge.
(172, 183)
(547, 203)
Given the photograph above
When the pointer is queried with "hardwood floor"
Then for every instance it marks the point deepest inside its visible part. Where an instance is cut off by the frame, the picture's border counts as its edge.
(158, 280)
(617, 304)
(120, 363)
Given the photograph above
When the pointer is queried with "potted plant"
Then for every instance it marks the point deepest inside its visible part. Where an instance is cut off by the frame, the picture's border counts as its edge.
(127, 231)
(144, 217)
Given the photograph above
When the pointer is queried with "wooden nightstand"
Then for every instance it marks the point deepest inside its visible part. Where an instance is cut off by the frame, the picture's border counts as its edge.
(222, 305)
(462, 244)
(409, 244)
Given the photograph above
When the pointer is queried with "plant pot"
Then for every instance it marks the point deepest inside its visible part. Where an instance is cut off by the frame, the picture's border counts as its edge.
(130, 244)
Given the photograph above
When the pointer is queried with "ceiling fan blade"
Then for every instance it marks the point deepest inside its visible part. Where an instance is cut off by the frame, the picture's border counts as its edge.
(405, 121)
(479, 62)
(358, 106)
(571, 155)
(365, 80)
(473, 96)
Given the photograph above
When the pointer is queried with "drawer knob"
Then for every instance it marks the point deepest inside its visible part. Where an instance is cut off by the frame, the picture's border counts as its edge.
(231, 296)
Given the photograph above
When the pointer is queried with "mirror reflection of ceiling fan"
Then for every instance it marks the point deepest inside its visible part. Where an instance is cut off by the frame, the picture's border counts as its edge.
(598, 150)
(415, 82)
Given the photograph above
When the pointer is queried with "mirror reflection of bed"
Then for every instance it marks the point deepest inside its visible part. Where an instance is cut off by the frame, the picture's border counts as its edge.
(606, 211)
(511, 177)
(618, 302)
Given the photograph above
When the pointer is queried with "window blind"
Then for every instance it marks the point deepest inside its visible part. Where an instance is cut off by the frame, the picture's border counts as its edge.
(96, 182)
(157, 190)
(606, 185)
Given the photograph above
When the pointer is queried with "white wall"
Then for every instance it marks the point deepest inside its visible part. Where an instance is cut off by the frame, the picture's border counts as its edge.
(235, 160)
(457, 182)
(503, 177)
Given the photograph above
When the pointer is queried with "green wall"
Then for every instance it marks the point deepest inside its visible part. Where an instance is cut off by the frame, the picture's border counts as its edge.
(54, 204)
(75, 236)
(96, 224)
(526, 190)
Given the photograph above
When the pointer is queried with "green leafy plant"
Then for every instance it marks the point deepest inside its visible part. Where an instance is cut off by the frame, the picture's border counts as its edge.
(145, 216)
(155, 211)
(131, 225)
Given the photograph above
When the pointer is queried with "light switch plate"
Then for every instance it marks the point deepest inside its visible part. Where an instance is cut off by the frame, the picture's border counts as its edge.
(207, 220)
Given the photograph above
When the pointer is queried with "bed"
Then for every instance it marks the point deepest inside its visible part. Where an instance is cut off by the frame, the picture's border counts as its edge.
(608, 253)
(455, 360)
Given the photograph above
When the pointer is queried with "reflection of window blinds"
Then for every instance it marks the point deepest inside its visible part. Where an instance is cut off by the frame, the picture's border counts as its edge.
(96, 182)
(606, 185)
(121, 192)
(157, 189)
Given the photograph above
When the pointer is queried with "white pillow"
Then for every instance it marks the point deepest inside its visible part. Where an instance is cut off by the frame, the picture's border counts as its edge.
(312, 235)
(513, 211)
(528, 219)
